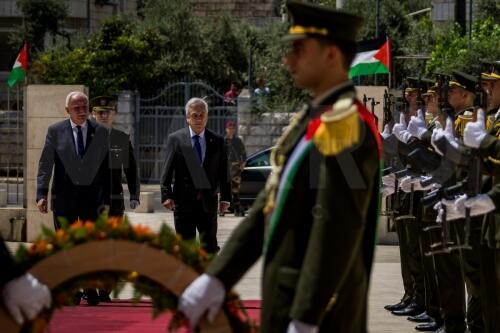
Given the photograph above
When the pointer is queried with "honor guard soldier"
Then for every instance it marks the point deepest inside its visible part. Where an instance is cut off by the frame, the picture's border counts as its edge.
(237, 156)
(121, 156)
(487, 142)
(315, 221)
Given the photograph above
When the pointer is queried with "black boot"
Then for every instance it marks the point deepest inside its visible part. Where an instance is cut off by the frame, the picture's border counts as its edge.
(402, 304)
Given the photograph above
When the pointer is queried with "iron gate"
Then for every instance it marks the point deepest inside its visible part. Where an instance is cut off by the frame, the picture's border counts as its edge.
(161, 115)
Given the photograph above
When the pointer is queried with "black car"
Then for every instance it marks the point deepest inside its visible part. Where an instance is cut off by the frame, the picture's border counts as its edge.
(254, 176)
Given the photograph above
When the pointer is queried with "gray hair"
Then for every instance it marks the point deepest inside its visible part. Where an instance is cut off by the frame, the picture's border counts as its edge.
(74, 94)
(196, 100)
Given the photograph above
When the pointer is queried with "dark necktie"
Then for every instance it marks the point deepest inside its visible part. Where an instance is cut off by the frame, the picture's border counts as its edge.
(197, 147)
(79, 141)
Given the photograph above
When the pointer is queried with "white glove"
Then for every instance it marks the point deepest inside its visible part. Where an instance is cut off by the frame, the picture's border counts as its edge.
(416, 126)
(436, 133)
(25, 297)
(475, 132)
(387, 132)
(399, 130)
(454, 210)
(448, 133)
(389, 180)
(206, 293)
(387, 191)
(134, 204)
(406, 183)
(480, 204)
(297, 326)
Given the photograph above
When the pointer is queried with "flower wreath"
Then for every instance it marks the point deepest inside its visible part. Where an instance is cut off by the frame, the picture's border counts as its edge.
(116, 228)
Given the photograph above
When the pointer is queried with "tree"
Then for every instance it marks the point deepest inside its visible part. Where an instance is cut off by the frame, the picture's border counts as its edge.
(453, 51)
(41, 17)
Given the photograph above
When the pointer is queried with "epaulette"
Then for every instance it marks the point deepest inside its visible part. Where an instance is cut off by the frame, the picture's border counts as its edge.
(339, 128)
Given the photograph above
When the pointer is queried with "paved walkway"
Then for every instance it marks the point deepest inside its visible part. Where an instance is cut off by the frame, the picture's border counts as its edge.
(386, 285)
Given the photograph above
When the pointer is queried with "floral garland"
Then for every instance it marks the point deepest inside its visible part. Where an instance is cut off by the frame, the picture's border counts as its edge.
(104, 228)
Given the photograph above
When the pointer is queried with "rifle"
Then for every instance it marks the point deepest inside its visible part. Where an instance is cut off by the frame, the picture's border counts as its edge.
(470, 160)
(386, 106)
(443, 82)
(373, 103)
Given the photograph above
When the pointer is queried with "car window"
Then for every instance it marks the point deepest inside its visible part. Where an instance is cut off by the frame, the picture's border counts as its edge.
(261, 159)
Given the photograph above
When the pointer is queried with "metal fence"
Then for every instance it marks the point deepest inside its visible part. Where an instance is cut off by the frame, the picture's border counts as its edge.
(12, 147)
(160, 115)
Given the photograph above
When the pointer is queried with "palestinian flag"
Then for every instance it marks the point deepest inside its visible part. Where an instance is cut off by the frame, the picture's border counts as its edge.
(373, 57)
(20, 66)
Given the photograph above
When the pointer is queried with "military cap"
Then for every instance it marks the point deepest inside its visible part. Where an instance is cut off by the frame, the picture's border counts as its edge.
(229, 123)
(103, 103)
(308, 20)
(434, 89)
(417, 84)
(463, 80)
(492, 72)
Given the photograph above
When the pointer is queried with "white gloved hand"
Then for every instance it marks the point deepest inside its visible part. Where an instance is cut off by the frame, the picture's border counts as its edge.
(454, 211)
(25, 297)
(387, 132)
(399, 130)
(475, 132)
(437, 133)
(416, 126)
(389, 180)
(448, 133)
(440, 211)
(406, 183)
(480, 204)
(387, 191)
(297, 326)
(134, 204)
(206, 293)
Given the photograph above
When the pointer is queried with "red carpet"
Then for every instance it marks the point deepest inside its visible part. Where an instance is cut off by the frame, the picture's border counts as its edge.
(119, 316)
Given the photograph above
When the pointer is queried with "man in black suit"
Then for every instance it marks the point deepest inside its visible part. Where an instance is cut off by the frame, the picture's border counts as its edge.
(196, 159)
(73, 148)
(121, 156)
(81, 184)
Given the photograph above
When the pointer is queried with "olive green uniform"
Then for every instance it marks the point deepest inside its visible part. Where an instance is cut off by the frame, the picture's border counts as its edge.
(490, 235)
(319, 249)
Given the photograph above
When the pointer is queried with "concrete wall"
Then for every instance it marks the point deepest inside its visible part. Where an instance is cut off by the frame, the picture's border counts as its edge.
(12, 223)
(44, 107)
(376, 92)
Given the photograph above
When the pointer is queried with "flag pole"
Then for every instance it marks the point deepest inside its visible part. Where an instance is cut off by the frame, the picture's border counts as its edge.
(389, 84)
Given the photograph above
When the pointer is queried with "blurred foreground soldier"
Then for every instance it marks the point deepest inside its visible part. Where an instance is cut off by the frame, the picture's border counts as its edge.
(121, 156)
(22, 294)
(237, 156)
(476, 136)
(315, 221)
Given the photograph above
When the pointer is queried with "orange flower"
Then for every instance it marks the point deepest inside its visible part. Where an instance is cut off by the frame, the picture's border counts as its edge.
(39, 246)
(114, 222)
(142, 230)
(89, 225)
(203, 253)
(77, 224)
(60, 234)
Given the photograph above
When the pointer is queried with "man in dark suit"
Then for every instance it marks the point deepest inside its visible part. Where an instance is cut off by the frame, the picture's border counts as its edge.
(315, 221)
(81, 184)
(74, 149)
(121, 156)
(196, 159)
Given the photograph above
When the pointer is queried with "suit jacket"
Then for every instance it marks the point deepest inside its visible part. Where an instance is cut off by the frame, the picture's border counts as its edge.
(79, 185)
(122, 160)
(318, 261)
(192, 181)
